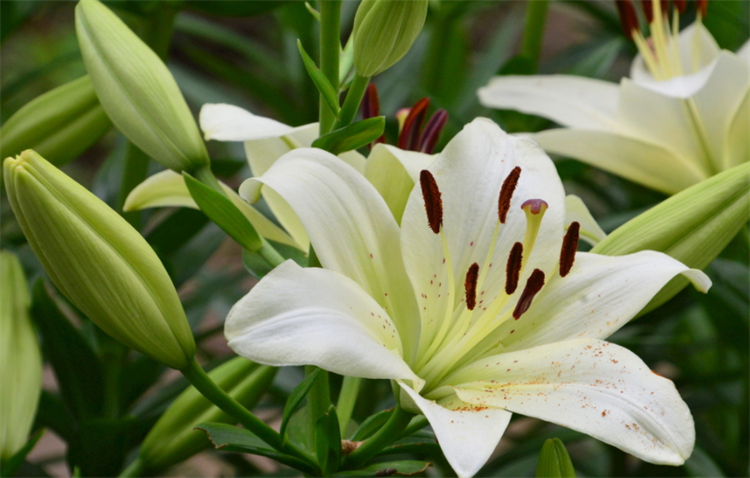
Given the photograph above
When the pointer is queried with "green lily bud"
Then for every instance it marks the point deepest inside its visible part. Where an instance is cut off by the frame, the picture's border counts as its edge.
(60, 124)
(554, 461)
(693, 226)
(98, 261)
(384, 30)
(174, 438)
(137, 91)
(20, 358)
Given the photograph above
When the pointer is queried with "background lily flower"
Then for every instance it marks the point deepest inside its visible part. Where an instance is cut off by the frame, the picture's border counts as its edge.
(682, 117)
(477, 309)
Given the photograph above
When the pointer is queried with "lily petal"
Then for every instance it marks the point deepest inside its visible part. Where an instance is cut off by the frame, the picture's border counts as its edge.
(225, 122)
(567, 100)
(350, 226)
(737, 147)
(576, 211)
(597, 297)
(632, 158)
(470, 172)
(592, 386)
(467, 434)
(394, 172)
(167, 189)
(683, 86)
(297, 316)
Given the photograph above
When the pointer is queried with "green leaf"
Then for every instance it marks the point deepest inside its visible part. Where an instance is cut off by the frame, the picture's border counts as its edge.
(372, 424)
(176, 230)
(389, 468)
(224, 213)
(239, 440)
(327, 91)
(10, 466)
(554, 461)
(234, 9)
(299, 392)
(328, 440)
(76, 366)
(351, 137)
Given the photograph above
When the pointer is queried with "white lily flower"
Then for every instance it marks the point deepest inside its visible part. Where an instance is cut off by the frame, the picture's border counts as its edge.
(681, 117)
(479, 310)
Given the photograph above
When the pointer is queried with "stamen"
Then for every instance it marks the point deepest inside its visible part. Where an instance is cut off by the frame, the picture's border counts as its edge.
(681, 5)
(432, 131)
(702, 7)
(628, 17)
(648, 10)
(432, 202)
(410, 134)
(569, 247)
(506, 193)
(533, 286)
(513, 268)
(471, 286)
(371, 102)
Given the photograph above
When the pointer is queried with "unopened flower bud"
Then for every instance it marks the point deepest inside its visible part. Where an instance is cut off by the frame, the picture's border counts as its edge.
(137, 91)
(384, 31)
(60, 124)
(20, 358)
(174, 437)
(693, 226)
(98, 261)
(554, 461)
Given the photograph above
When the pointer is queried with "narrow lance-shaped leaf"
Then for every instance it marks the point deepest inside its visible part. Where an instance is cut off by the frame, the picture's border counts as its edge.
(351, 137)
(324, 86)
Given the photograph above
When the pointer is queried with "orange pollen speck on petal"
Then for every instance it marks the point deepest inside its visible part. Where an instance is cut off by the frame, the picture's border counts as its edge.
(432, 201)
(471, 286)
(506, 193)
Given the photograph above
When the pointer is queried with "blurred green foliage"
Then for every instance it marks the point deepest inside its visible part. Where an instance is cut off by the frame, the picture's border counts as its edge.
(245, 53)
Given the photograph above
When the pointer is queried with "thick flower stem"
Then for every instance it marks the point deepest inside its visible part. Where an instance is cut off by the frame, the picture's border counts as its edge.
(536, 17)
(319, 396)
(330, 49)
(385, 436)
(351, 103)
(347, 400)
(203, 383)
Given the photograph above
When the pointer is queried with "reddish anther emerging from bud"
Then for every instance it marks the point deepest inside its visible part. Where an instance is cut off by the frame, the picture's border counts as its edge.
(569, 247)
(432, 131)
(410, 135)
(513, 268)
(628, 17)
(702, 6)
(533, 286)
(371, 102)
(432, 202)
(471, 286)
(506, 193)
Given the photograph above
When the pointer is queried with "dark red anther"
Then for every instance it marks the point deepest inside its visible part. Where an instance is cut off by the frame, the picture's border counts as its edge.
(569, 248)
(432, 131)
(702, 7)
(433, 204)
(506, 193)
(533, 285)
(513, 268)
(410, 134)
(628, 17)
(371, 102)
(648, 9)
(681, 5)
(471, 286)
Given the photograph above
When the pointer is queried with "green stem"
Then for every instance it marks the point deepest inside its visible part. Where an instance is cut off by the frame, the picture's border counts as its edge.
(158, 31)
(203, 383)
(352, 101)
(270, 254)
(389, 433)
(133, 470)
(418, 423)
(330, 49)
(533, 34)
(206, 176)
(347, 400)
